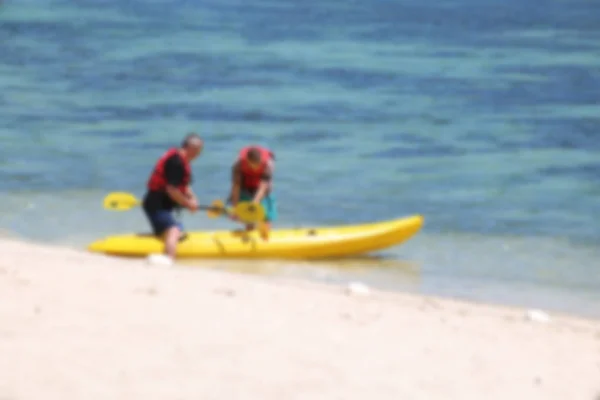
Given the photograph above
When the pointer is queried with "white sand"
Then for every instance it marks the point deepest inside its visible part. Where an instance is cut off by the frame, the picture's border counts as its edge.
(81, 326)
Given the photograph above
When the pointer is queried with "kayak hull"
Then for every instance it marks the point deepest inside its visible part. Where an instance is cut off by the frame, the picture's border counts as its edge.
(297, 243)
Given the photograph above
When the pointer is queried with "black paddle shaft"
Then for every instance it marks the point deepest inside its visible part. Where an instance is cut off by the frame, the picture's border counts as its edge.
(211, 208)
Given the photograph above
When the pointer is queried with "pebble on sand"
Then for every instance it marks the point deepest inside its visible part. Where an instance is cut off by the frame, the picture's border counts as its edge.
(358, 289)
(537, 316)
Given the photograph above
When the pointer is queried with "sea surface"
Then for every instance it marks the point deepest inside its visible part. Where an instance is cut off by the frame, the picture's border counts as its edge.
(483, 116)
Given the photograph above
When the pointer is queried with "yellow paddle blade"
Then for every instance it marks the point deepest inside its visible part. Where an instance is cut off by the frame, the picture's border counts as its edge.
(249, 212)
(120, 201)
(217, 209)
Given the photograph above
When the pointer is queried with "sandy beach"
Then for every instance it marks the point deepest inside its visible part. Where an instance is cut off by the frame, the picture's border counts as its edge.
(80, 326)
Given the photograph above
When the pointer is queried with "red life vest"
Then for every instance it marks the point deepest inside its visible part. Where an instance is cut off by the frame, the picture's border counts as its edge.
(158, 181)
(251, 177)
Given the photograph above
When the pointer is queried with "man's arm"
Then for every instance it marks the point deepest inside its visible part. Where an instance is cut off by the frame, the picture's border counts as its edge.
(236, 184)
(265, 183)
(174, 173)
(189, 193)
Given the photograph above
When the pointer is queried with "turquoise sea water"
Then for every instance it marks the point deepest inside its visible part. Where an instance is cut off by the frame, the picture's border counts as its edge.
(482, 116)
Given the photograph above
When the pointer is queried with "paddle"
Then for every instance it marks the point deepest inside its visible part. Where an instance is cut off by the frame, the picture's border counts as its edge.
(246, 212)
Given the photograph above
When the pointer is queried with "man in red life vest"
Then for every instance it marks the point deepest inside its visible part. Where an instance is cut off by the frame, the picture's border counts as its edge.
(169, 189)
(252, 180)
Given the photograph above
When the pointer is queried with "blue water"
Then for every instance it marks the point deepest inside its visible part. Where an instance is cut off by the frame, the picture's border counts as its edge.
(482, 116)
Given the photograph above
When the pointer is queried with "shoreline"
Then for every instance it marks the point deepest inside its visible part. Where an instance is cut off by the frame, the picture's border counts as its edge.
(79, 325)
(216, 265)
(272, 271)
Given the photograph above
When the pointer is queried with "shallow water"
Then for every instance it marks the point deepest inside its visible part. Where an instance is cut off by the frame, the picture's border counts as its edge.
(483, 117)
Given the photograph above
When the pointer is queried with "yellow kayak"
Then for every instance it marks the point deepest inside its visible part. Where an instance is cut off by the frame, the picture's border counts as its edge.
(298, 243)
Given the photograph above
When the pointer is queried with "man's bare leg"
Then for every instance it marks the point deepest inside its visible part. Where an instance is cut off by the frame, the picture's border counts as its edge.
(172, 236)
